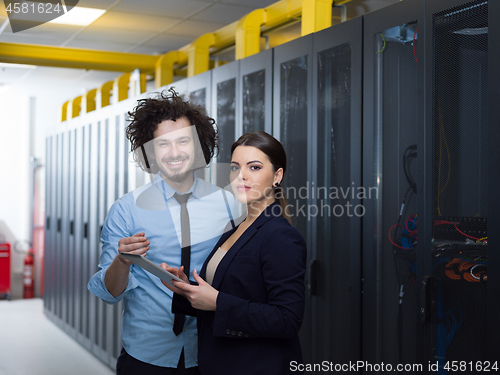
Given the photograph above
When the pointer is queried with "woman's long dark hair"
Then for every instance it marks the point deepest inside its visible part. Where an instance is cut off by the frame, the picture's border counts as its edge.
(276, 154)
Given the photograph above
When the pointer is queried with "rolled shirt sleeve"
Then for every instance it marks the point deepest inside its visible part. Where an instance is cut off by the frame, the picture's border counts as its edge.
(115, 228)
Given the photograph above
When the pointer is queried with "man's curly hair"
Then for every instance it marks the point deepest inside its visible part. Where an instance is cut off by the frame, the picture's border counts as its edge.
(150, 112)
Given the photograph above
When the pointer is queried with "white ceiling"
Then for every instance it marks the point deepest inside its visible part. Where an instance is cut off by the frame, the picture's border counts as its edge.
(137, 26)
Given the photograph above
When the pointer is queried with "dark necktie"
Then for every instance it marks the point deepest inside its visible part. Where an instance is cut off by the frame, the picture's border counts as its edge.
(186, 251)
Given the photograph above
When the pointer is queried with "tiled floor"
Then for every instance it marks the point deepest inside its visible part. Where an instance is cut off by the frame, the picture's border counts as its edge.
(30, 344)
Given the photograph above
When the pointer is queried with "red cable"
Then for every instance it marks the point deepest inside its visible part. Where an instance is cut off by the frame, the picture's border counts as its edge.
(411, 232)
(466, 235)
(395, 244)
(440, 222)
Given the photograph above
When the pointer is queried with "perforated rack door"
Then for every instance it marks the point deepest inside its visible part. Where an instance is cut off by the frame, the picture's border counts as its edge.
(460, 180)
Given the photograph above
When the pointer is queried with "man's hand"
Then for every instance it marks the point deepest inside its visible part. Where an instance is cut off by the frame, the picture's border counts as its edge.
(201, 296)
(116, 277)
(137, 244)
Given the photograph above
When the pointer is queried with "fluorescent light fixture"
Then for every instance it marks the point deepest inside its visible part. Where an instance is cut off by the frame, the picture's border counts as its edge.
(17, 66)
(79, 16)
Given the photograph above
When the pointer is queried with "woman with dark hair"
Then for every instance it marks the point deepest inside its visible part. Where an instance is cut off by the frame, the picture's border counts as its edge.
(249, 297)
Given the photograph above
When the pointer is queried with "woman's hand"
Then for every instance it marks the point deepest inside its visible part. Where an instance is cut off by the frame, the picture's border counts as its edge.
(201, 296)
(179, 272)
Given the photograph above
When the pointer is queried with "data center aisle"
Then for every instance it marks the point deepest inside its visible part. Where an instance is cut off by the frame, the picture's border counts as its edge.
(30, 344)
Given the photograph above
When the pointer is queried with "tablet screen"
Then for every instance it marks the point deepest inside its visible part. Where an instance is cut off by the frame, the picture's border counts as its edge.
(150, 267)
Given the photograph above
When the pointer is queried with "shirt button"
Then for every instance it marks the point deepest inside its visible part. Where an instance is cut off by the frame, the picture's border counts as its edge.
(240, 334)
(233, 333)
(184, 329)
(247, 335)
(228, 332)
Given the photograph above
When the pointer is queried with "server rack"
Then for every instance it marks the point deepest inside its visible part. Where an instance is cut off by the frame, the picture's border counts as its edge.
(392, 104)
(493, 338)
(88, 148)
(400, 110)
(225, 111)
(70, 321)
(456, 208)
(254, 102)
(199, 89)
(337, 193)
(50, 223)
(97, 182)
(63, 254)
(78, 234)
(58, 243)
(199, 92)
(292, 126)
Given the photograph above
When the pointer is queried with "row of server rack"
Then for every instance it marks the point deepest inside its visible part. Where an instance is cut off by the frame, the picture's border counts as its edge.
(389, 122)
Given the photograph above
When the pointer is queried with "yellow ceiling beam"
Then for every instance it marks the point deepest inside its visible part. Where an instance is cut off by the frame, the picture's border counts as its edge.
(90, 100)
(164, 72)
(64, 114)
(282, 11)
(122, 86)
(248, 34)
(244, 34)
(316, 15)
(76, 105)
(105, 92)
(199, 54)
(77, 58)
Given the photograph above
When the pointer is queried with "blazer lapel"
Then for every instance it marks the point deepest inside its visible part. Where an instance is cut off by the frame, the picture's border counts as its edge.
(222, 239)
(224, 263)
(265, 216)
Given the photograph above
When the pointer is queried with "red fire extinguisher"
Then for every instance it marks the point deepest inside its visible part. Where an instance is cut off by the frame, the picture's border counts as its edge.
(29, 275)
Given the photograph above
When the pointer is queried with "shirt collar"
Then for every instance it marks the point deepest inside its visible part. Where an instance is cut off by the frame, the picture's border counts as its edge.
(197, 188)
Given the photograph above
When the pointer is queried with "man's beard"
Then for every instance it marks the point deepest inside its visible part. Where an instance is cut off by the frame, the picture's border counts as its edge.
(175, 176)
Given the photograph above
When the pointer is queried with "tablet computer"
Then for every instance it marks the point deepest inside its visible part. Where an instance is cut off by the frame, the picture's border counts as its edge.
(151, 267)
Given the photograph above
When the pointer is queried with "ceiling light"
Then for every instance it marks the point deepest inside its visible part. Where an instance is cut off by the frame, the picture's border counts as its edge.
(79, 16)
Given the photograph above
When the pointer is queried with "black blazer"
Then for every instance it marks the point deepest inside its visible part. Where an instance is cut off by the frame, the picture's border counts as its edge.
(261, 299)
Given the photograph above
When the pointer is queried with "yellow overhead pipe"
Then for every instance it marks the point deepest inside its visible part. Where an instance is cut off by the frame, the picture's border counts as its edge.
(64, 115)
(105, 91)
(248, 34)
(122, 86)
(142, 84)
(76, 105)
(245, 34)
(164, 70)
(316, 15)
(199, 54)
(77, 58)
(281, 12)
(90, 99)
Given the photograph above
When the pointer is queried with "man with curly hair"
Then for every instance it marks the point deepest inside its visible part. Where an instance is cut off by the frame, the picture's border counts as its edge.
(171, 139)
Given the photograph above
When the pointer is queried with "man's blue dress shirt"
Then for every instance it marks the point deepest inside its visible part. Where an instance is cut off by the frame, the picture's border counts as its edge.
(147, 333)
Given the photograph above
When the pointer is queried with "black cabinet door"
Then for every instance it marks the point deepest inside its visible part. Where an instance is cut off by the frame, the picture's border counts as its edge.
(392, 117)
(225, 108)
(457, 198)
(337, 193)
(292, 126)
(255, 93)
